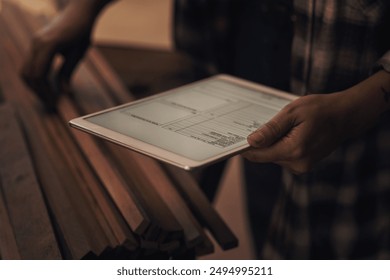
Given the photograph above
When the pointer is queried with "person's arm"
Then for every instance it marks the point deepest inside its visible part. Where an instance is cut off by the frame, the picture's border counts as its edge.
(68, 34)
(311, 127)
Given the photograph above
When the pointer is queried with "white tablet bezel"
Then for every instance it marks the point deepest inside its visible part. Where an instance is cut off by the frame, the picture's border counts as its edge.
(159, 153)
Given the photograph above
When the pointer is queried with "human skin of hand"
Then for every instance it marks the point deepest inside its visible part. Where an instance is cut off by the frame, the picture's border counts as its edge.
(67, 35)
(311, 127)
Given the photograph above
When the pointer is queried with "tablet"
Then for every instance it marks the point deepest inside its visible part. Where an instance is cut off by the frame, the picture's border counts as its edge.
(190, 126)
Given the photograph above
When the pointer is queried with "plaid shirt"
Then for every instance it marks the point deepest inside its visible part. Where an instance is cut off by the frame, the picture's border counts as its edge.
(340, 210)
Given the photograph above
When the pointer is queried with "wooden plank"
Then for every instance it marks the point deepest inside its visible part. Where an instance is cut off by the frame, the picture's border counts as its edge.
(113, 181)
(183, 180)
(1, 95)
(115, 184)
(86, 87)
(204, 248)
(91, 219)
(164, 217)
(75, 243)
(226, 241)
(113, 222)
(168, 193)
(152, 203)
(8, 247)
(125, 241)
(202, 208)
(110, 83)
(116, 222)
(123, 234)
(27, 210)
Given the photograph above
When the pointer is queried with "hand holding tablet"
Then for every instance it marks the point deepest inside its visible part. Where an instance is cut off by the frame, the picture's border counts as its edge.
(190, 126)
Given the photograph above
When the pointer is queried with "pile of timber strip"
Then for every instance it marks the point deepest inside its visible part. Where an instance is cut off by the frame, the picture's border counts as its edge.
(66, 194)
(30, 235)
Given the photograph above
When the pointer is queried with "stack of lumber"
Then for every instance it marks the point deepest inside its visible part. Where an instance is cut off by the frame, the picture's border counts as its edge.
(67, 195)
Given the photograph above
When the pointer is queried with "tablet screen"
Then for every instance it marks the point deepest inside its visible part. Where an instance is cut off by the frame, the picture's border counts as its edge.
(198, 121)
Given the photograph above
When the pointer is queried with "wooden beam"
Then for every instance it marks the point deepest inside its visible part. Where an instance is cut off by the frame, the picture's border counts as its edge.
(101, 197)
(8, 247)
(124, 235)
(202, 208)
(44, 154)
(27, 211)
